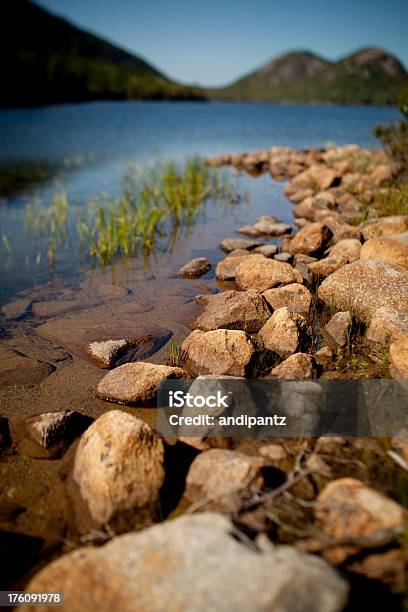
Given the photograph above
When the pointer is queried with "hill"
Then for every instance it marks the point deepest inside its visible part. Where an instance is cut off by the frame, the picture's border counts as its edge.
(44, 59)
(370, 76)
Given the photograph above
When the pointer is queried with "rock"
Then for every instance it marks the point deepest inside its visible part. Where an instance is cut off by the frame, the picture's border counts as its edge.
(318, 178)
(249, 230)
(110, 291)
(270, 227)
(301, 263)
(381, 173)
(385, 226)
(299, 195)
(348, 249)
(222, 351)
(391, 249)
(135, 383)
(399, 357)
(224, 476)
(18, 370)
(76, 332)
(195, 268)
(233, 244)
(344, 231)
(194, 562)
(246, 310)
(285, 332)
(286, 257)
(400, 442)
(268, 250)
(296, 367)
(347, 508)
(117, 474)
(272, 452)
(16, 309)
(301, 222)
(48, 435)
(324, 267)
(364, 286)
(386, 325)
(311, 239)
(226, 268)
(261, 273)
(105, 354)
(324, 353)
(338, 329)
(295, 296)
(53, 307)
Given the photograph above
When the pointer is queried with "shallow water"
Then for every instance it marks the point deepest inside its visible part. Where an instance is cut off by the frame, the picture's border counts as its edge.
(95, 142)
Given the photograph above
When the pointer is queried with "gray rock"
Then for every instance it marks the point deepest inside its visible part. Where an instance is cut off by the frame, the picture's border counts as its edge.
(135, 383)
(197, 563)
(246, 310)
(195, 268)
(268, 250)
(232, 244)
(286, 257)
(117, 474)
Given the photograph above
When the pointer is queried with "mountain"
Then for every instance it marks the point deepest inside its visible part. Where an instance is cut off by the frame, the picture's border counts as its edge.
(370, 76)
(45, 59)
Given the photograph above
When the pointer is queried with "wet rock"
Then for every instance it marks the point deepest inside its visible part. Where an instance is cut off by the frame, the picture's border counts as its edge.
(347, 508)
(386, 325)
(285, 257)
(195, 268)
(246, 310)
(225, 477)
(222, 351)
(207, 565)
(285, 332)
(117, 474)
(337, 331)
(268, 226)
(268, 250)
(391, 249)
(261, 273)
(48, 435)
(105, 354)
(364, 286)
(233, 244)
(249, 230)
(318, 178)
(399, 357)
(295, 296)
(53, 307)
(226, 268)
(16, 309)
(385, 226)
(299, 366)
(135, 383)
(311, 239)
(18, 370)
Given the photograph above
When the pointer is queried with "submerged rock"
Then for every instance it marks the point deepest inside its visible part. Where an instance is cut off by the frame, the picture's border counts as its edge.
(195, 268)
(200, 563)
(295, 296)
(222, 351)
(364, 286)
(117, 474)
(246, 310)
(285, 332)
(135, 383)
(299, 366)
(261, 273)
(16, 309)
(19, 370)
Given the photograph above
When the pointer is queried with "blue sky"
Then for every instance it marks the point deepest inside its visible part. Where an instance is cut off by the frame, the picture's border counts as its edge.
(212, 42)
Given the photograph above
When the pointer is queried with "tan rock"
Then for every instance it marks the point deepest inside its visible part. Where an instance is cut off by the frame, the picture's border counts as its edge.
(226, 268)
(399, 357)
(364, 286)
(285, 332)
(311, 239)
(299, 195)
(318, 177)
(195, 268)
(222, 351)
(344, 231)
(324, 267)
(295, 296)
(348, 249)
(268, 250)
(246, 310)
(381, 173)
(135, 383)
(385, 226)
(391, 249)
(386, 325)
(261, 273)
(337, 330)
(117, 473)
(299, 366)
(233, 244)
(16, 308)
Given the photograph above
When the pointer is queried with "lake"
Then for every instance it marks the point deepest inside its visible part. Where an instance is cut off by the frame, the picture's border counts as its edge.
(92, 145)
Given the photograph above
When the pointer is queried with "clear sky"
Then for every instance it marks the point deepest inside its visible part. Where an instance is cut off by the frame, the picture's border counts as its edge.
(212, 42)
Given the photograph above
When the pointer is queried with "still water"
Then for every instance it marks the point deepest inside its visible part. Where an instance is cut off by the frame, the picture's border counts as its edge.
(93, 144)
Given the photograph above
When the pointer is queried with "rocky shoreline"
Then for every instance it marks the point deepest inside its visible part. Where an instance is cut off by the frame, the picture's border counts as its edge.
(222, 523)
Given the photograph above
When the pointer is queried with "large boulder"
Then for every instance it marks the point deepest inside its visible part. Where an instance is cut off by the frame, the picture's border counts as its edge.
(285, 332)
(117, 474)
(198, 562)
(226, 268)
(311, 239)
(223, 351)
(295, 296)
(391, 249)
(260, 273)
(386, 325)
(364, 286)
(246, 310)
(385, 226)
(399, 357)
(135, 383)
(224, 478)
